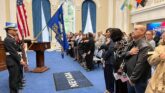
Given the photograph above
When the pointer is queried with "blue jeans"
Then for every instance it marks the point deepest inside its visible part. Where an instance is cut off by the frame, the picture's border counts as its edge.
(109, 78)
(138, 88)
(130, 88)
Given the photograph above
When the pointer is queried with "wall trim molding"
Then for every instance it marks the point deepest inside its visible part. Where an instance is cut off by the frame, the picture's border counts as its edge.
(148, 13)
(148, 8)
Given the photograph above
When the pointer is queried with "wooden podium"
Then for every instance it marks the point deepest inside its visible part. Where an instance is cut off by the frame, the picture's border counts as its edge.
(39, 48)
(2, 57)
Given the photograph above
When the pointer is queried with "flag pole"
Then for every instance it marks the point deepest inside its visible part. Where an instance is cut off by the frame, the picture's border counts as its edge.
(37, 36)
(39, 33)
(24, 55)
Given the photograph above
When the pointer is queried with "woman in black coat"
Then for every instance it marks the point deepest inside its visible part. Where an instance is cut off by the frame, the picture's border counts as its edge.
(120, 47)
(113, 35)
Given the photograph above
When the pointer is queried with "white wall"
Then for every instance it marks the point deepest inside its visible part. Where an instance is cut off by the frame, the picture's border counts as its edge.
(111, 13)
(117, 17)
(148, 14)
(2, 18)
(13, 11)
(8, 14)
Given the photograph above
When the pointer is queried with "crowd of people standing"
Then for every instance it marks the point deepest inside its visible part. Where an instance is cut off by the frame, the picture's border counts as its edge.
(130, 55)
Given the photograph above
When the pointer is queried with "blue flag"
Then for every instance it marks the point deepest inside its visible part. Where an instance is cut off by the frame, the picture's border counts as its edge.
(56, 23)
(125, 3)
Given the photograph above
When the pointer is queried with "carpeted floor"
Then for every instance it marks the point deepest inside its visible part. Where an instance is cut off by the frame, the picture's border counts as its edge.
(44, 82)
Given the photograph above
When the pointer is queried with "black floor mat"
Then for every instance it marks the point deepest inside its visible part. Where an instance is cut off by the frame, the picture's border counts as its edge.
(70, 80)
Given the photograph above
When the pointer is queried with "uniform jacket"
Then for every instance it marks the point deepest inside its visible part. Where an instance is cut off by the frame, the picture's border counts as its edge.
(157, 81)
(138, 69)
(12, 47)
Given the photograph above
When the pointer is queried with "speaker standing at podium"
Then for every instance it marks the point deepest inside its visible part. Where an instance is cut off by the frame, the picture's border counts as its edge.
(13, 58)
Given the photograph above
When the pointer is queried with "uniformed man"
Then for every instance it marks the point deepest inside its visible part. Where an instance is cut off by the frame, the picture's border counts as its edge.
(13, 58)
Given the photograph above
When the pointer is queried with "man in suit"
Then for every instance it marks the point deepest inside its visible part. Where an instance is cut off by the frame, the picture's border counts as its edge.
(13, 57)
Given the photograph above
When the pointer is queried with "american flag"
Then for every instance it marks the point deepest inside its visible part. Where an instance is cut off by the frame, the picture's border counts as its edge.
(22, 20)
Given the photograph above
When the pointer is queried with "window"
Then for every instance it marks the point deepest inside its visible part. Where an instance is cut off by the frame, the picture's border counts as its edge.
(69, 15)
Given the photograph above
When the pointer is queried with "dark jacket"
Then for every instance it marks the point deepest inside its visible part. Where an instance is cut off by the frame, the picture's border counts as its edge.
(82, 47)
(89, 46)
(156, 39)
(108, 55)
(12, 47)
(138, 69)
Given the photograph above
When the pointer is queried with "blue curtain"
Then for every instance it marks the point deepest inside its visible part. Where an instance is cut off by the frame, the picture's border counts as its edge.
(47, 11)
(93, 15)
(37, 20)
(84, 14)
(92, 7)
